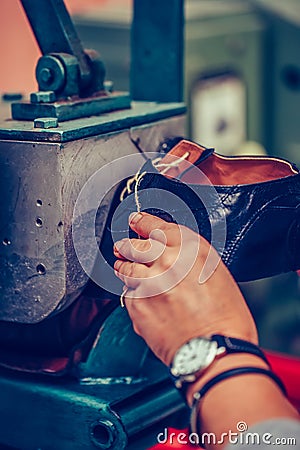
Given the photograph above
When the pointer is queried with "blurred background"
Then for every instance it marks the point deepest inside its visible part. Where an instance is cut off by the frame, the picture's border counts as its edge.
(242, 87)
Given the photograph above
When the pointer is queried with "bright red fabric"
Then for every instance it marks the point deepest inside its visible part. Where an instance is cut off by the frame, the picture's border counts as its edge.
(286, 367)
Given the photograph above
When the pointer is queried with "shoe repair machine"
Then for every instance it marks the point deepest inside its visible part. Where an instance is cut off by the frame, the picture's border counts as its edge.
(117, 394)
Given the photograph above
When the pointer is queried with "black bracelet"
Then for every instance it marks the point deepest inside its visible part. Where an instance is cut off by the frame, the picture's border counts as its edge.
(224, 376)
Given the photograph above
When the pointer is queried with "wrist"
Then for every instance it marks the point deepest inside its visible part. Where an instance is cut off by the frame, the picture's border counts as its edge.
(230, 361)
(246, 389)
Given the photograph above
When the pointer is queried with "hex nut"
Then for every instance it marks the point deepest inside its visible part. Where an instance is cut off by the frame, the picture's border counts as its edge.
(46, 122)
(43, 97)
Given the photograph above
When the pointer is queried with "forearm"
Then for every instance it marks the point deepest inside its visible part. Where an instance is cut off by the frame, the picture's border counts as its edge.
(250, 398)
(182, 308)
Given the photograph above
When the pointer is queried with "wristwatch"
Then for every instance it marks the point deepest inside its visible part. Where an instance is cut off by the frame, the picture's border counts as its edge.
(196, 355)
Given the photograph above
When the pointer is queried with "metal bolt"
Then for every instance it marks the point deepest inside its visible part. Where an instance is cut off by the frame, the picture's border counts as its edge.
(46, 75)
(46, 122)
(43, 97)
(108, 86)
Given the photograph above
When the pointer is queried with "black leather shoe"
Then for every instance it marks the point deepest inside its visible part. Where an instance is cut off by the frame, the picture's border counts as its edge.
(248, 207)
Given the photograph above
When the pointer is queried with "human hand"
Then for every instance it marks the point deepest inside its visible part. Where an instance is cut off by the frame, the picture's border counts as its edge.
(166, 302)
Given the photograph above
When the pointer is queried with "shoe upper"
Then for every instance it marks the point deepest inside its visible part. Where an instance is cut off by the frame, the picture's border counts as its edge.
(247, 207)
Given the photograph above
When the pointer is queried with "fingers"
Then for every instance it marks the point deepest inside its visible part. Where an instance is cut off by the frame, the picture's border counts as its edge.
(146, 225)
(138, 250)
(118, 254)
(130, 273)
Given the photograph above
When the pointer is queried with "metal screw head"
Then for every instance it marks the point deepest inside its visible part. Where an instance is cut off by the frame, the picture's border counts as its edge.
(46, 122)
(43, 97)
(46, 75)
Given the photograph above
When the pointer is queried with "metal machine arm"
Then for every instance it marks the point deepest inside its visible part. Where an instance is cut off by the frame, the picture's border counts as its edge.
(70, 79)
(55, 32)
(74, 76)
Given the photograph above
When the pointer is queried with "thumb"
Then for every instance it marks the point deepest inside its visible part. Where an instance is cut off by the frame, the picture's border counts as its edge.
(149, 226)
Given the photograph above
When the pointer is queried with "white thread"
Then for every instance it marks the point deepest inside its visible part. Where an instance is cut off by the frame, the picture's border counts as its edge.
(122, 297)
(175, 163)
(136, 194)
(127, 188)
(137, 178)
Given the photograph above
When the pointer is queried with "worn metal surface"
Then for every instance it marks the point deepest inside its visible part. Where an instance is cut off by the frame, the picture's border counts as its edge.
(140, 113)
(65, 68)
(110, 357)
(65, 415)
(115, 403)
(40, 183)
(75, 108)
(55, 32)
(157, 51)
(58, 72)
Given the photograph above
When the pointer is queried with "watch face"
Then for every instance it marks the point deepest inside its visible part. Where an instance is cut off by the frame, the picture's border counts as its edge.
(194, 356)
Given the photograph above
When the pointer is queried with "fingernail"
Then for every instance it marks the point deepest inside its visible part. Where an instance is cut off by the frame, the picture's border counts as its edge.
(118, 245)
(135, 217)
(117, 264)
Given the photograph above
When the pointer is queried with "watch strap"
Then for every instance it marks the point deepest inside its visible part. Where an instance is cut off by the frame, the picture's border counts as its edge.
(234, 345)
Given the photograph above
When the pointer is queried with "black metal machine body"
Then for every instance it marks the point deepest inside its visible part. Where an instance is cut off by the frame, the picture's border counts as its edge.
(54, 143)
